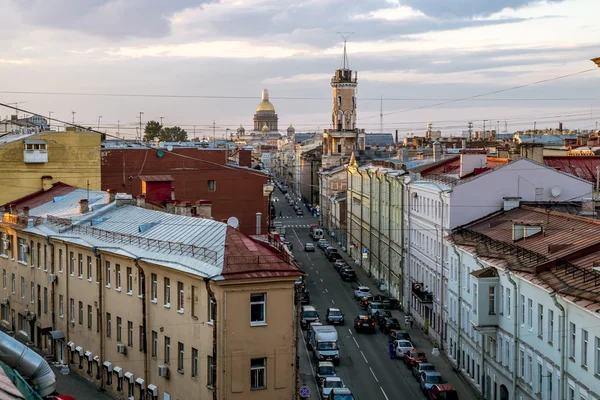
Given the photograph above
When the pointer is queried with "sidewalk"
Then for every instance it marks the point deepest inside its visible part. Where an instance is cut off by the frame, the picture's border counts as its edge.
(465, 389)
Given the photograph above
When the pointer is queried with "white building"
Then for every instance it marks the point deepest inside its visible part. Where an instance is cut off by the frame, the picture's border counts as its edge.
(524, 304)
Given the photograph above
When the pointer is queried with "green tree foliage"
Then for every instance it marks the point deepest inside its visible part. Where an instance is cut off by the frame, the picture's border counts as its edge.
(154, 130)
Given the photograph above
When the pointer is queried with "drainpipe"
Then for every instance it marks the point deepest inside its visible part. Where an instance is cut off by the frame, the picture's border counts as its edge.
(360, 250)
(101, 311)
(407, 262)
(67, 266)
(515, 333)
(389, 233)
(212, 297)
(441, 327)
(297, 331)
(144, 315)
(458, 308)
(349, 221)
(379, 234)
(52, 314)
(563, 344)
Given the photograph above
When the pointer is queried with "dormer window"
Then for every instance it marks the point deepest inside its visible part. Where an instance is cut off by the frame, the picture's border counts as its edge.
(35, 151)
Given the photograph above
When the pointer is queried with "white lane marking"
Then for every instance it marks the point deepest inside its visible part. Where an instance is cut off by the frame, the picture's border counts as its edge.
(317, 271)
(377, 380)
(349, 331)
(384, 395)
(356, 343)
(332, 302)
(325, 290)
(363, 354)
(321, 280)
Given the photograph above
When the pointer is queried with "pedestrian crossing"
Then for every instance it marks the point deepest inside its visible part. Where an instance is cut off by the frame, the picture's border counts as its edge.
(296, 226)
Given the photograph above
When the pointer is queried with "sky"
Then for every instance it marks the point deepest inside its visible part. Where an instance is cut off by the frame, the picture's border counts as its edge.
(194, 62)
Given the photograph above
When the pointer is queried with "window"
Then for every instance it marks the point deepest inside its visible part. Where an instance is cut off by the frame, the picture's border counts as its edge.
(32, 293)
(571, 395)
(167, 292)
(72, 311)
(22, 287)
(167, 349)
(211, 311)
(60, 261)
(492, 300)
(212, 185)
(339, 101)
(119, 328)
(584, 347)
(180, 297)
(475, 298)
(540, 377)
(107, 267)
(61, 306)
(180, 359)
(13, 284)
(32, 247)
(80, 313)
(141, 337)
(45, 300)
(39, 256)
(529, 375)
(549, 384)
(257, 309)
(258, 373)
(522, 310)
(4, 245)
(4, 279)
(129, 333)
(540, 326)
(108, 325)
(550, 326)
(154, 288)
(522, 363)
(129, 280)
(194, 363)
(89, 268)
(118, 277)
(597, 357)
(46, 258)
(530, 313)
(90, 316)
(154, 344)
(507, 310)
(71, 263)
(194, 301)
(572, 339)
(210, 368)
(22, 250)
(80, 268)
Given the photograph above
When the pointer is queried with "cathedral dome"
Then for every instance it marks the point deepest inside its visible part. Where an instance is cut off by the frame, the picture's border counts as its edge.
(265, 105)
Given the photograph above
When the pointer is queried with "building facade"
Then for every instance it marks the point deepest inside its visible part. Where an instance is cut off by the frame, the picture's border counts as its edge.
(148, 304)
(34, 160)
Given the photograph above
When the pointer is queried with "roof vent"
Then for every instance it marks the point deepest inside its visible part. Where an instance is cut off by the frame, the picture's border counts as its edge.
(522, 231)
(144, 227)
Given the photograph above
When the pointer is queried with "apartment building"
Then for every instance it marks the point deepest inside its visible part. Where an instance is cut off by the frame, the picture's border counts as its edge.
(147, 304)
(524, 303)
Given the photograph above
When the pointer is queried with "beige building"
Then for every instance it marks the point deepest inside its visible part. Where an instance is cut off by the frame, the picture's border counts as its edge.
(144, 303)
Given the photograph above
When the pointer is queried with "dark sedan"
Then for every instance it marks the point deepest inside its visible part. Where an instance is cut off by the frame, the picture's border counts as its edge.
(387, 324)
(348, 275)
(388, 302)
(362, 323)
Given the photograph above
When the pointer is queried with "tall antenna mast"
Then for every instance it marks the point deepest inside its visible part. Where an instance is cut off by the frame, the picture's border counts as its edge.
(345, 36)
(381, 115)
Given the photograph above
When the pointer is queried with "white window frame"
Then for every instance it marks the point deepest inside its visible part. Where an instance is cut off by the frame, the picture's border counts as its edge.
(72, 304)
(492, 300)
(89, 268)
(154, 288)
(263, 304)
(181, 296)
(194, 363)
(118, 277)
(180, 357)
(107, 273)
(22, 250)
(572, 339)
(584, 347)
(61, 306)
(258, 373)
(167, 292)
(129, 281)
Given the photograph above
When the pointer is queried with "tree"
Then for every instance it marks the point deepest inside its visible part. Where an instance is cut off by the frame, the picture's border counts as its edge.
(152, 130)
(173, 134)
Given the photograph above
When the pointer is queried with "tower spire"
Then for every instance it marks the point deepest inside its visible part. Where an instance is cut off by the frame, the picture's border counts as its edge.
(345, 36)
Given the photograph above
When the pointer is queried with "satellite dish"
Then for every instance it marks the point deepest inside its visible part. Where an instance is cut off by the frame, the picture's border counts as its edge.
(556, 191)
(170, 148)
(161, 144)
(233, 222)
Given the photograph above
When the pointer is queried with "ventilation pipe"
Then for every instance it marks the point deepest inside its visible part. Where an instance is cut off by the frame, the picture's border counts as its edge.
(28, 363)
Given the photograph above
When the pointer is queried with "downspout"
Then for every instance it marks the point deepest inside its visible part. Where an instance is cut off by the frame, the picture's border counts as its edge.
(297, 330)
(379, 234)
(483, 341)
(408, 247)
(442, 291)
(349, 221)
(52, 313)
(563, 344)
(101, 312)
(67, 266)
(360, 250)
(458, 309)
(515, 333)
(212, 297)
(144, 315)
(389, 234)
(401, 226)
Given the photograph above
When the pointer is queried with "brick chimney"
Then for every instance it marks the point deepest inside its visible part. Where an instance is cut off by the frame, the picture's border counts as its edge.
(124, 199)
(184, 208)
(204, 208)
(141, 201)
(245, 158)
(26, 211)
(110, 195)
(471, 160)
(83, 206)
(170, 206)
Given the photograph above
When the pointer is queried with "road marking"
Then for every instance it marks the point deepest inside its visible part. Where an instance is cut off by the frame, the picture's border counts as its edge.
(349, 331)
(325, 290)
(384, 395)
(332, 302)
(356, 343)
(317, 271)
(363, 354)
(321, 280)
(377, 380)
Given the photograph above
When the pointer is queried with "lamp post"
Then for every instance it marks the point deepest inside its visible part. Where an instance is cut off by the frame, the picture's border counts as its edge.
(99, 118)
(50, 119)
(140, 132)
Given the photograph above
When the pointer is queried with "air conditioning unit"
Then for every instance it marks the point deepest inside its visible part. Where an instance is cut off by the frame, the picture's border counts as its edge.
(5, 301)
(121, 348)
(163, 370)
(30, 316)
(53, 278)
(71, 346)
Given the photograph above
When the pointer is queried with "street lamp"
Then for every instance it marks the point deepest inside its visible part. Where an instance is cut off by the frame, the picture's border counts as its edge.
(99, 118)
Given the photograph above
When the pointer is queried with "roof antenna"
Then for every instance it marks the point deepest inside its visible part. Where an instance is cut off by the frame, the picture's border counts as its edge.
(345, 36)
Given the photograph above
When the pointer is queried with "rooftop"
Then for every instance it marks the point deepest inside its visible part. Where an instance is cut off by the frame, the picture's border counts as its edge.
(379, 139)
(581, 166)
(448, 170)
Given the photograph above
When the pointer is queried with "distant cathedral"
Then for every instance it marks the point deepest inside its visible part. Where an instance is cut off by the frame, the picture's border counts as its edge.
(265, 115)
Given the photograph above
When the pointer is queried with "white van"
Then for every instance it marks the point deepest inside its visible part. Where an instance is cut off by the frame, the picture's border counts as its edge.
(316, 233)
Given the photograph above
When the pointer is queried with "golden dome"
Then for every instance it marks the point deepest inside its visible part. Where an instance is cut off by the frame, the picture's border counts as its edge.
(265, 104)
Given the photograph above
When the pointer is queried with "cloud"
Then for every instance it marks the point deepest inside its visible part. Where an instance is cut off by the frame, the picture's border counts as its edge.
(467, 8)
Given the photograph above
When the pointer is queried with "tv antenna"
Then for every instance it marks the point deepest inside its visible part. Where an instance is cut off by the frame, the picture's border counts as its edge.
(345, 36)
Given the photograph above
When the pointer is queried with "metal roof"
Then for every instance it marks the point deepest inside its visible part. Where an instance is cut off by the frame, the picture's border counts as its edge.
(581, 166)
(42, 196)
(157, 178)
(379, 139)
(67, 205)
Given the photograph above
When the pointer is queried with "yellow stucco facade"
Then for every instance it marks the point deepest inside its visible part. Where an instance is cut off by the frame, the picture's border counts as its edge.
(71, 157)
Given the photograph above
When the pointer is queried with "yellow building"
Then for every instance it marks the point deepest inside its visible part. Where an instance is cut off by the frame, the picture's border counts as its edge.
(148, 304)
(34, 160)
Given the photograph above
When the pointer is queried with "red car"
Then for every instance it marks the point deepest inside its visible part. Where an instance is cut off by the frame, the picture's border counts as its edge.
(442, 391)
(414, 356)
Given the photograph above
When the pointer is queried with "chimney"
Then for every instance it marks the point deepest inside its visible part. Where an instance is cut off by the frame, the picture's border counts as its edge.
(511, 202)
(141, 201)
(173, 193)
(124, 199)
(471, 160)
(184, 208)
(83, 206)
(12, 209)
(204, 209)
(26, 211)
(560, 127)
(533, 151)
(258, 222)
(396, 136)
(404, 154)
(464, 143)
(110, 195)
(245, 158)
(170, 206)
(437, 151)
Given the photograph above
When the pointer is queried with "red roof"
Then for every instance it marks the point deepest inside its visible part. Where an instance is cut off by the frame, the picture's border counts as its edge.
(40, 197)
(246, 258)
(452, 166)
(583, 167)
(157, 178)
(445, 387)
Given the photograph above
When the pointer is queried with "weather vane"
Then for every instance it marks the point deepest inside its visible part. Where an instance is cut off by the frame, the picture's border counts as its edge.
(345, 36)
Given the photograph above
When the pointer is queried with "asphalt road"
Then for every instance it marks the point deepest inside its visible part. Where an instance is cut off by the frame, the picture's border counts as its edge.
(365, 366)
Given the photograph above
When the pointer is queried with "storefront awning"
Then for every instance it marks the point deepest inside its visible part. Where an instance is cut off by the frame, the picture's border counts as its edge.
(55, 335)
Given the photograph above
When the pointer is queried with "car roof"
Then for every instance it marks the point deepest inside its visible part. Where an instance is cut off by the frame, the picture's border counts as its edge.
(325, 364)
(341, 391)
(377, 303)
(422, 363)
(404, 341)
(363, 288)
(333, 378)
(333, 309)
(308, 308)
(362, 317)
(431, 373)
(309, 244)
(445, 387)
(393, 319)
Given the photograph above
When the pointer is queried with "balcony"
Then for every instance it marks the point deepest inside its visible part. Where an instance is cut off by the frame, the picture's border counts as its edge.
(423, 295)
(35, 152)
(485, 316)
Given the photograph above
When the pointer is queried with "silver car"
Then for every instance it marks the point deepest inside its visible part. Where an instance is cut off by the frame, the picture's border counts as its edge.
(328, 384)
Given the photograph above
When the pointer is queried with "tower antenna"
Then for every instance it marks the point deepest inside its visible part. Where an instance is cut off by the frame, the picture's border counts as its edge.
(381, 115)
(345, 36)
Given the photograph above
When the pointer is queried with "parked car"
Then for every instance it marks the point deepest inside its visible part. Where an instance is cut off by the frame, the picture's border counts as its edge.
(380, 315)
(348, 275)
(429, 378)
(442, 391)
(361, 291)
(340, 394)
(323, 244)
(363, 323)
(388, 302)
(420, 367)
(324, 370)
(299, 212)
(330, 250)
(387, 324)
(333, 256)
(329, 383)
(413, 357)
(334, 316)
(402, 348)
(309, 247)
(373, 308)
(397, 334)
(308, 314)
(337, 264)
